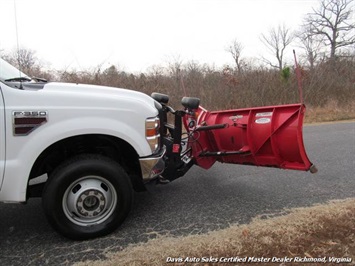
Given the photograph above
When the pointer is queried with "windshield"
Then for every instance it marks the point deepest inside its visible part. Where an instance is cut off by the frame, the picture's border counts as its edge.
(8, 71)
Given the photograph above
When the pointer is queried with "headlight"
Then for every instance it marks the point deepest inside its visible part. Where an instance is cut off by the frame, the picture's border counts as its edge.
(152, 133)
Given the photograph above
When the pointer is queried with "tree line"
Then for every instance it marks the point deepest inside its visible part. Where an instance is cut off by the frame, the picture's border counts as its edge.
(327, 68)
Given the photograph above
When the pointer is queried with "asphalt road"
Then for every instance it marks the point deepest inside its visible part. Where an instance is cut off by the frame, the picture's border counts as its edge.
(196, 203)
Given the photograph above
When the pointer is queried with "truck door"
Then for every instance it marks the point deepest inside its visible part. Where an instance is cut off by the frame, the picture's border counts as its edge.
(2, 137)
(263, 136)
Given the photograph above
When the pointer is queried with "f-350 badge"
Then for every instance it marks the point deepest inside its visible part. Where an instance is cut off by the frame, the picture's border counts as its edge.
(24, 122)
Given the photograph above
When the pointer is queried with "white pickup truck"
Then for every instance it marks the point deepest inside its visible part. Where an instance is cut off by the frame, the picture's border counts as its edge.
(84, 148)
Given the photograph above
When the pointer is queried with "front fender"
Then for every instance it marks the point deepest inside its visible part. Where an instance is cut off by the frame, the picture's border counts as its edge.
(26, 149)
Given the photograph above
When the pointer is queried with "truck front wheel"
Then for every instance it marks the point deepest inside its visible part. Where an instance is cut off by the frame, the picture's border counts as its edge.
(87, 196)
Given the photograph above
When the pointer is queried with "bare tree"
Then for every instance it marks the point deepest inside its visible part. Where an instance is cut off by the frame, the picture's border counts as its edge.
(235, 49)
(276, 41)
(176, 70)
(332, 22)
(26, 59)
(175, 66)
(312, 45)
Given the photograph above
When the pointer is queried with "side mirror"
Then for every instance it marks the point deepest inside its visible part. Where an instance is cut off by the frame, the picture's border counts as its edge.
(190, 102)
(160, 97)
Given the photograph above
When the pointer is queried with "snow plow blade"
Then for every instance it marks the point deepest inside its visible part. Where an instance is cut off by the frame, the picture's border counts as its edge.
(263, 136)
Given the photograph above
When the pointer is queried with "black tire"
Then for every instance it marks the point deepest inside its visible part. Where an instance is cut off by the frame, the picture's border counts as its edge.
(87, 196)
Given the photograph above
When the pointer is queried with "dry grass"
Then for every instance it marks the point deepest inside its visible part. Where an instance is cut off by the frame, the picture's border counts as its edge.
(332, 111)
(319, 231)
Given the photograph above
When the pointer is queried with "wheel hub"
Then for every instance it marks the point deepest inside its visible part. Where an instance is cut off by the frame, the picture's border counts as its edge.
(91, 203)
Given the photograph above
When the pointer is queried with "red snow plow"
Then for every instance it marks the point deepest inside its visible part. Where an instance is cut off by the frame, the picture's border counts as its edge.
(268, 136)
(264, 136)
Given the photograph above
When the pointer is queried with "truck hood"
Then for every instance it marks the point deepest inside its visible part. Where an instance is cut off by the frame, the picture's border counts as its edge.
(95, 90)
(97, 95)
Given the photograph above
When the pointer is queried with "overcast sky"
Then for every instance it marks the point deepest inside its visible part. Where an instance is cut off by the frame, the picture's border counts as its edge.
(136, 34)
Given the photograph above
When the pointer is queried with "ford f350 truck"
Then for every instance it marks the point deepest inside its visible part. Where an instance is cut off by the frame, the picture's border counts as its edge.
(84, 149)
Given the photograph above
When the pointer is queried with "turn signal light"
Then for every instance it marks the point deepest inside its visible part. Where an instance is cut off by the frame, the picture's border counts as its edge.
(152, 126)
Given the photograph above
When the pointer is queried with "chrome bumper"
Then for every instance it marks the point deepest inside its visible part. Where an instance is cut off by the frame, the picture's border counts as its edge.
(152, 166)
